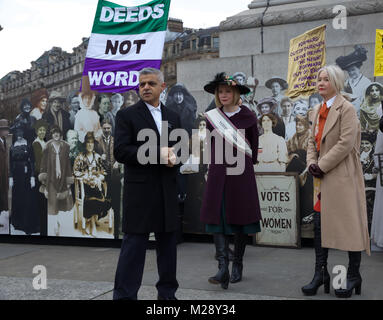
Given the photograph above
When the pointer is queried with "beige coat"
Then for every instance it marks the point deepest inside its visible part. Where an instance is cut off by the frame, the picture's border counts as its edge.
(343, 199)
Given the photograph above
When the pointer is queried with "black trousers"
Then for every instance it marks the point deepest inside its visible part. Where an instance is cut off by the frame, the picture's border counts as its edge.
(131, 264)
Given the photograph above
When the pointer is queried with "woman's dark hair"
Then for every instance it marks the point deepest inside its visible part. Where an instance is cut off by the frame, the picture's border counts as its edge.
(270, 116)
(24, 103)
(88, 137)
(55, 129)
(369, 88)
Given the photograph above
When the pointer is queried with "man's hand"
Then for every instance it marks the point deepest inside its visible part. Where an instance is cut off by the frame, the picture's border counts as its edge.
(167, 154)
(315, 171)
(172, 157)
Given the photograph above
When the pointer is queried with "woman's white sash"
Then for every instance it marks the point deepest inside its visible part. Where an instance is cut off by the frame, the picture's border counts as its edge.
(228, 131)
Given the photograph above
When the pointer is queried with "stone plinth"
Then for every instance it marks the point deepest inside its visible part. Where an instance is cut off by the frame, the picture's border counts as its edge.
(293, 11)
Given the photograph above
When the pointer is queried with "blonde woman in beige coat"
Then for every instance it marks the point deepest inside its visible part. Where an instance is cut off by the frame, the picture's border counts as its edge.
(333, 158)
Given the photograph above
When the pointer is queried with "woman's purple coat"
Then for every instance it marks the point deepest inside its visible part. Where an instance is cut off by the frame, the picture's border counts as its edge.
(241, 195)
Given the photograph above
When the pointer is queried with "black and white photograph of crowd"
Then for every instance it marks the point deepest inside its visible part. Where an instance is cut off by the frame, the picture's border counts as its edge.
(58, 167)
(64, 181)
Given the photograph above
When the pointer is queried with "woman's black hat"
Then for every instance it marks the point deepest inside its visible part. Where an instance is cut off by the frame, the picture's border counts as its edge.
(222, 78)
(355, 58)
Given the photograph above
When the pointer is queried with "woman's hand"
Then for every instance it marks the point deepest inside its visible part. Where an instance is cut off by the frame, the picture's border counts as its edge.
(315, 171)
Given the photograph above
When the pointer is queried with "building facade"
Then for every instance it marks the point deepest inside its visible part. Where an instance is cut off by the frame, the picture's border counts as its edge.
(62, 71)
(54, 70)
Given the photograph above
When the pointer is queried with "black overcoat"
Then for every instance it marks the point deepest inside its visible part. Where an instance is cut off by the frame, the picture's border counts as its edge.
(150, 190)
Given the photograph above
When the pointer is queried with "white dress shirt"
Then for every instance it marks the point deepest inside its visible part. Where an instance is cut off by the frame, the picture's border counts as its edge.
(330, 102)
(157, 115)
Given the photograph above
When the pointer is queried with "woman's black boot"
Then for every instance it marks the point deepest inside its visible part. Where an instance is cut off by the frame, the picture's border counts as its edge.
(321, 275)
(221, 245)
(240, 240)
(354, 279)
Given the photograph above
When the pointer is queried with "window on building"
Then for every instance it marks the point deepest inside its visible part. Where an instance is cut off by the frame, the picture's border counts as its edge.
(215, 42)
(194, 44)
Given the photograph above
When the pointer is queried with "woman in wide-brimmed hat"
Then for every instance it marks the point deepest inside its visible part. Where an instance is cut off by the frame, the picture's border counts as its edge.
(277, 85)
(230, 204)
(56, 177)
(357, 83)
(56, 115)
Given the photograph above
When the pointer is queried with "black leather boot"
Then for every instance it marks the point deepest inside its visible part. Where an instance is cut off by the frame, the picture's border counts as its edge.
(354, 279)
(221, 245)
(231, 254)
(321, 275)
(240, 240)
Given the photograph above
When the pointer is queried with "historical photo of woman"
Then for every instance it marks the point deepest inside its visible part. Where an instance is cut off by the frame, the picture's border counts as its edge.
(288, 117)
(117, 100)
(377, 216)
(196, 180)
(24, 217)
(25, 122)
(73, 102)
(87, 119)
(270, 105)
(297, 150)
(314, 100)
(369, 172)
(183, 103)
(4, 179)
(38, 146)
(90, 173)
(56, 177)
(301, 107)
(131, 98)
(370, 110)
(249, 99)
(55, 115)
(277, 85)
(105, 108)
(104, 147)
(356, 83)
(272, 150)
(39, 101)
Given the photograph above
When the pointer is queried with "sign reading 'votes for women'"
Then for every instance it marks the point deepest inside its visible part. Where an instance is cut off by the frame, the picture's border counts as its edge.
(125, 40)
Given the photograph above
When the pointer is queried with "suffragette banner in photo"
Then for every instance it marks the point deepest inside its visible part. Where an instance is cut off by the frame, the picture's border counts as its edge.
(278, 194)
(306, 56)
(125, 40)
(379, 53)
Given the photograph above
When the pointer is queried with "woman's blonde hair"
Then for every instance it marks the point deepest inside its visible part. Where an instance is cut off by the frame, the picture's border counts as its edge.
(336, 77)
(236, 95)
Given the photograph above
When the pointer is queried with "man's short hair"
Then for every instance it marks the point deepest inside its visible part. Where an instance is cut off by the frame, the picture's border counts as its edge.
(155, 71)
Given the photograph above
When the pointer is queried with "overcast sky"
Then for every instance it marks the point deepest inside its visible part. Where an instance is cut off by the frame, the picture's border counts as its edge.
(32, 27)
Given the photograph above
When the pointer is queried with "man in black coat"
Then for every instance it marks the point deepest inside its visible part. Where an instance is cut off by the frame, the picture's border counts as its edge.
(150, 190)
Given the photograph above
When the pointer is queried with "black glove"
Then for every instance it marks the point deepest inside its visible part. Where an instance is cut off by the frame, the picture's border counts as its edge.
(315, 171)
